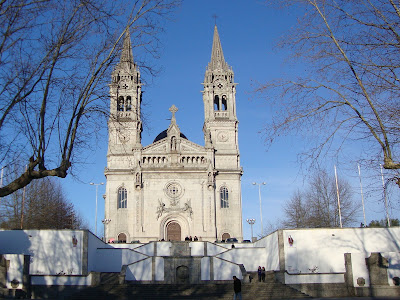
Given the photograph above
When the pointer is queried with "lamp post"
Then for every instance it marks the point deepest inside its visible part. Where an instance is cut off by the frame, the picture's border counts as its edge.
(105, 222)
(259, 196)
(251, 222)
(95, 219)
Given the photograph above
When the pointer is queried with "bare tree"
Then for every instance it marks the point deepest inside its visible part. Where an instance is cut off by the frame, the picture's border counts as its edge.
(55, 62)
(41, 205)
(349, 86)
(317, 206)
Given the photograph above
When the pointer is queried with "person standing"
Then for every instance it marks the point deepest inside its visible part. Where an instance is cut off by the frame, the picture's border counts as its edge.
(237, 288)
(259, 271)
(263, 274)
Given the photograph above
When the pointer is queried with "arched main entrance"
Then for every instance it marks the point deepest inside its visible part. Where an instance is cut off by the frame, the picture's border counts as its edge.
(173, 232)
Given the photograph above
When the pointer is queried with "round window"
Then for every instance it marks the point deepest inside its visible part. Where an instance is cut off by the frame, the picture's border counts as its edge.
(173, 190)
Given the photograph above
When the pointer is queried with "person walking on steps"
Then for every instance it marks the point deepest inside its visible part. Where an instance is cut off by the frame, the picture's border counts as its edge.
(237, 288)
(263, 274)
(259, 273)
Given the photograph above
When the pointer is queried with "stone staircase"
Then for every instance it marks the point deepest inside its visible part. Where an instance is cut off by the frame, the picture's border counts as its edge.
(211, 291)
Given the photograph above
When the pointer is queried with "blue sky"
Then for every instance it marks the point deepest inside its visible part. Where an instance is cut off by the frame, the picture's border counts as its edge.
(249, 31)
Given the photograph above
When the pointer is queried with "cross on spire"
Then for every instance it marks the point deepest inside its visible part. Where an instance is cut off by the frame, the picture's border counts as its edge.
(173, 109)
(215, 18)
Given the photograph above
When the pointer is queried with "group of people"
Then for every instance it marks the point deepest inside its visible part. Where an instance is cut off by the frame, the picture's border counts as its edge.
(189, 238)
(237, 284)
(261, 274)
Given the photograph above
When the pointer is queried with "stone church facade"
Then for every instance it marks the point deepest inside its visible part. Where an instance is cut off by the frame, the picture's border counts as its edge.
(173, 188)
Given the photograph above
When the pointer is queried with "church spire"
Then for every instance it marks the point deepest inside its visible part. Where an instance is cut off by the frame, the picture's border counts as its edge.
(126, 63)
(217, 56)
(126, 54)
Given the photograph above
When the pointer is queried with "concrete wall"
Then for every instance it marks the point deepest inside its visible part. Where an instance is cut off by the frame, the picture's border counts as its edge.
(112, 260)
(140, 271)
(394, 265)
(61, 280)
(271, 246)
(224, 270)
(214, 249)
(196, 248)
(94, 243)
(52, 252)
(322, 250)
(360, 269)
(316, 251)
(205, 268)
(163, 248)
(251, 258)
(15, 270)
(159, 269)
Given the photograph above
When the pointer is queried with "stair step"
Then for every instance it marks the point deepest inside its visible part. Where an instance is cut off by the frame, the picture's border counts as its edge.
(271, 290)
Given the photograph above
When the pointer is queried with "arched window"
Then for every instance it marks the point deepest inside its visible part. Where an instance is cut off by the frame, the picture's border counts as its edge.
(224, 103)
(122, 198)
(216, 103)
(224, 197)
(120, 103)
(128, 103)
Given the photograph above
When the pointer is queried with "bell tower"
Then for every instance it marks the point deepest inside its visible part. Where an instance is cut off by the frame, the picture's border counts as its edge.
(220, 121)
(125, 125)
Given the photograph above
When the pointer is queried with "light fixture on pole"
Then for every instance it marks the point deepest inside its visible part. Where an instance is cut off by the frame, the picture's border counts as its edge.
(259, 196)
(95, 219)
(251, 222)
(105, 222)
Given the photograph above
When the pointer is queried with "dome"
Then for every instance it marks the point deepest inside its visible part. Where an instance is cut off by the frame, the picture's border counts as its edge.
(163, 135)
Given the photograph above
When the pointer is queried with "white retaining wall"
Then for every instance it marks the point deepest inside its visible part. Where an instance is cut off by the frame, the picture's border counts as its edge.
(112, 260)
(52, 252)
(316, 251)
(224, 270)
(271, 248)
(140, 270)
(251, 258)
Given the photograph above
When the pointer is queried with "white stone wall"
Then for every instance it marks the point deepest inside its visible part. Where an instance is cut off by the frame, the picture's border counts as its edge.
(140, 271)
(251, 258)
(316, 251)
(61, 280)
(15, 270)
(112, 260)
(52, 252)
(270, 244)
(224, 270)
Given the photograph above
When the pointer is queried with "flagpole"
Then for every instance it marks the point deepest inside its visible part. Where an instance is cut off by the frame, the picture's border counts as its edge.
(362, 195)
(338, 198)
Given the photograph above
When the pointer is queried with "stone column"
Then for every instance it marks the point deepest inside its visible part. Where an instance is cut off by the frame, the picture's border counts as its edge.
(348, 276)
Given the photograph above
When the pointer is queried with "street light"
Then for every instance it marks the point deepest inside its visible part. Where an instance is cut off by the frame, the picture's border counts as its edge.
(95, 219)
(251, 222)
(259, 196)
(105, 222)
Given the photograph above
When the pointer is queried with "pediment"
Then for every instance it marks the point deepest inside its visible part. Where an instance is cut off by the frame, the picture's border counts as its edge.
(158, 147)
(188, 146)
(162, 146)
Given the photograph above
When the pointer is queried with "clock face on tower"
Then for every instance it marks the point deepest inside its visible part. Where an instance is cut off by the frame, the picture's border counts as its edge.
(223, 136)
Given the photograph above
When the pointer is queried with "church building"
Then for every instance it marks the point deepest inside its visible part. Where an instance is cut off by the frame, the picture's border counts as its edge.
(173, 188)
